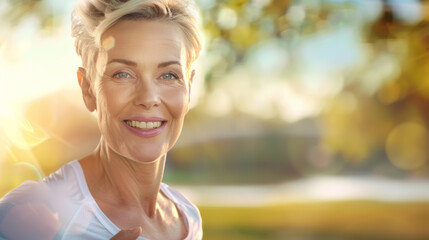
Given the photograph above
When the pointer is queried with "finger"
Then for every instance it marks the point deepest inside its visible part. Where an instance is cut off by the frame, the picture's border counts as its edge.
(128, 234)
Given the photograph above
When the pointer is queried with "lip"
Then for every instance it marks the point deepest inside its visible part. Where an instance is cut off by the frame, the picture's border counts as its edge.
(149, 132)
(146, 119)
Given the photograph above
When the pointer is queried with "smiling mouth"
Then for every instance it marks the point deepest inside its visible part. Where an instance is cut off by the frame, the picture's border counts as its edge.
(144, 125)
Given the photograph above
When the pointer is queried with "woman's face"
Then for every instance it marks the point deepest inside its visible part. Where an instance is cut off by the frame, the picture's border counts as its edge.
(143, 94)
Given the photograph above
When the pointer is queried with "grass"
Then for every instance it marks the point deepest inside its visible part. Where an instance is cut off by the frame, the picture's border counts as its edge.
(348, 220)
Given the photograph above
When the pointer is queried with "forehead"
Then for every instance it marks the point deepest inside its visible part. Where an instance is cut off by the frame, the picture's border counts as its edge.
(142, 40)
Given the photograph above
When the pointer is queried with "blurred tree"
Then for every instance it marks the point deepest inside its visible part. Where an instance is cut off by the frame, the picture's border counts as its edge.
(366, 120)
(12, 12)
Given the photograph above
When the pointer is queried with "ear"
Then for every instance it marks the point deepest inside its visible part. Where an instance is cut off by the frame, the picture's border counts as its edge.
(87, 93)
(191, 79)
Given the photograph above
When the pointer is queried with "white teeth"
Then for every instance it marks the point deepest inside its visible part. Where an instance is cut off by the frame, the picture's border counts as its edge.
(144, 125)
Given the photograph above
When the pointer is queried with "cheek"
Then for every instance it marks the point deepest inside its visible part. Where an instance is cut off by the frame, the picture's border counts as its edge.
(176, 102)
(111, 100)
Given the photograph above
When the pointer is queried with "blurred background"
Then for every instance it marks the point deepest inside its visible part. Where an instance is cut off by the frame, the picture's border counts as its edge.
(309, 118)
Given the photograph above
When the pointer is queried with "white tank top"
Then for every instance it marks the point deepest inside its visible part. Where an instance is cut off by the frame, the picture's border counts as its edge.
(66, 193)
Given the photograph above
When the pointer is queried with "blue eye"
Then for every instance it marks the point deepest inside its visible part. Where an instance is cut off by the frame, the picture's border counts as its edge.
(169, 76)
(122, 75)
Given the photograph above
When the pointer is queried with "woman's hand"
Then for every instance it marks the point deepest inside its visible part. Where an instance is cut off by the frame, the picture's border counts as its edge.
(128, 234)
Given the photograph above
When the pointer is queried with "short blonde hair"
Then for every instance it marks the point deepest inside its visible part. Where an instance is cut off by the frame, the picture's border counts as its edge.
(91, 18)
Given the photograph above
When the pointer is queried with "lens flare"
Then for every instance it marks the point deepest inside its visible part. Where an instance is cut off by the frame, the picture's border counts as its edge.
(407, 146)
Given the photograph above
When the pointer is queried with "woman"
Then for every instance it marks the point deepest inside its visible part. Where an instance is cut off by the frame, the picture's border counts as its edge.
(136, 74)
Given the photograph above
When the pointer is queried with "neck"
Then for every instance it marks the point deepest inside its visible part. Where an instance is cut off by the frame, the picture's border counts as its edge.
(128, 182)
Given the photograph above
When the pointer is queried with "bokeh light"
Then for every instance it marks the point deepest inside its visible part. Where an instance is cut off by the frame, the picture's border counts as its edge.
(407, 146)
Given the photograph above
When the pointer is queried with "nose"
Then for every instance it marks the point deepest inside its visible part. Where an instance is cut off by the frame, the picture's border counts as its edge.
(147, 94)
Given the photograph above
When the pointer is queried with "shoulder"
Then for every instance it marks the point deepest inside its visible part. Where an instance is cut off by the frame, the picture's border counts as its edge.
(62, 182)
(27, 190)
(35, 210)
(188, 208)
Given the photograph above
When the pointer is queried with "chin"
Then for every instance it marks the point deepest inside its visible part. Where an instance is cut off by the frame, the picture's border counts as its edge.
(146, 156)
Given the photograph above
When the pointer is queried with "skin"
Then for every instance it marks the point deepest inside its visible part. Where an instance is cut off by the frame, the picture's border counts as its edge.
(143, 75)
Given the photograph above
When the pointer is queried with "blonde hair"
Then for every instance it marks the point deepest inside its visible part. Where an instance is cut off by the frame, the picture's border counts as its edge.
(91, 18)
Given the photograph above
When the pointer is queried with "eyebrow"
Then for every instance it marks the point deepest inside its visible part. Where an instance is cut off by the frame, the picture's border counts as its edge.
(165, 64)
(126, 62)
(134, 64)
